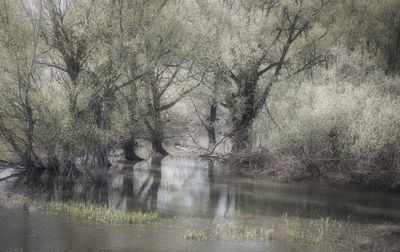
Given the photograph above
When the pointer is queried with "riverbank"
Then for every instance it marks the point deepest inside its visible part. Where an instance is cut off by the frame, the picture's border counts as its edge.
(300, 168)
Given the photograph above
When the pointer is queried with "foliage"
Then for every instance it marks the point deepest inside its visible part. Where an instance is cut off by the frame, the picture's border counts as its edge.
(373, 26)
(337, 116)
(317, 78)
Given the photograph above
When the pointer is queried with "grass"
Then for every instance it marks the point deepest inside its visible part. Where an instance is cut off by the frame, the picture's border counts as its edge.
(88, 212)
(314, 232)
(231, 231)
(250, 233)
(195, 235)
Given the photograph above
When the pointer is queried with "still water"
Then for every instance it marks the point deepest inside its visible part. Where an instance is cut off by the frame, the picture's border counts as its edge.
(189, 193)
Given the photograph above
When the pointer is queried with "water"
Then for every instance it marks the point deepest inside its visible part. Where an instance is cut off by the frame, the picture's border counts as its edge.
(189, 193)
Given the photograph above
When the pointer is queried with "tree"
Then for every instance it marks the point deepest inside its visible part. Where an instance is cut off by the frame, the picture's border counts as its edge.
(20, 79)
(207, 99)
(83, 40)
(168, 69)
(260, 44)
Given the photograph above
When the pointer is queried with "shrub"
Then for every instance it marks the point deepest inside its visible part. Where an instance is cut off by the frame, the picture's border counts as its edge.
(343, 124)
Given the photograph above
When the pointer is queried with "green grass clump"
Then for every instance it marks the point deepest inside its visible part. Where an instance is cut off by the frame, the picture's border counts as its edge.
(316, 232)
(83, 211)
(194, 235)
(249, 232)
(294, 235)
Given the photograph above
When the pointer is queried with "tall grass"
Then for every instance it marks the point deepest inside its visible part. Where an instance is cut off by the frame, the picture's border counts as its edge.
(88, 212)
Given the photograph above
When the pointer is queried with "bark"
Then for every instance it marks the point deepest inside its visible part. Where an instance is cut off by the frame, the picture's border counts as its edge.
(100, 122)
(31, 178)
(53, 163)
(156, 134)
(394, 55)
(156, 127)
(129, 150)
(157, 147)
(244, 109)
(240, 136)
(33, 173)
(211, 125)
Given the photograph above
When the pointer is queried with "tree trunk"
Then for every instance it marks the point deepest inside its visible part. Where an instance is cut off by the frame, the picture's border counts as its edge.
(100, 151)
(53, 164)
(101, 157)
(157, 132)
(31, 178)
(156, 144)
(240, 137)
(129, 150)
(244, 111)
(211, 125)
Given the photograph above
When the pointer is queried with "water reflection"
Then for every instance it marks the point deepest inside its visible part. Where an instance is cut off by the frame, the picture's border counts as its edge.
(184, 187)
(196, 187)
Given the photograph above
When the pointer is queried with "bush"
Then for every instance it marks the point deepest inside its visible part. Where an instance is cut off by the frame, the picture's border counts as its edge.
(341, 123)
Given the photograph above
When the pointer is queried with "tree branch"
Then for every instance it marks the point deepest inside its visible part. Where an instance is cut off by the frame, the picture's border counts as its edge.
(267, 69)
(183, 94)
(170, 81)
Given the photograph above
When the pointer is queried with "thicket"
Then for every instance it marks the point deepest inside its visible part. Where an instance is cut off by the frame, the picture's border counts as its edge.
(342, 120)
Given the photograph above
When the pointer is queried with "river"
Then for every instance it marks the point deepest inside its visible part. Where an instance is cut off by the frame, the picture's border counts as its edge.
(189, 193)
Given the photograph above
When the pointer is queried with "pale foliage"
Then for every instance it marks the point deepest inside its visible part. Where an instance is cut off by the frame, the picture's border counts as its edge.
(361, 111)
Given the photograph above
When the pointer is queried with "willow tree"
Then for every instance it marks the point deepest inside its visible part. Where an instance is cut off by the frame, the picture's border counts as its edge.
(208, 24)
(169, 72)
(67, 34)
(261, 43)
(84, 41)
(19, 83)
